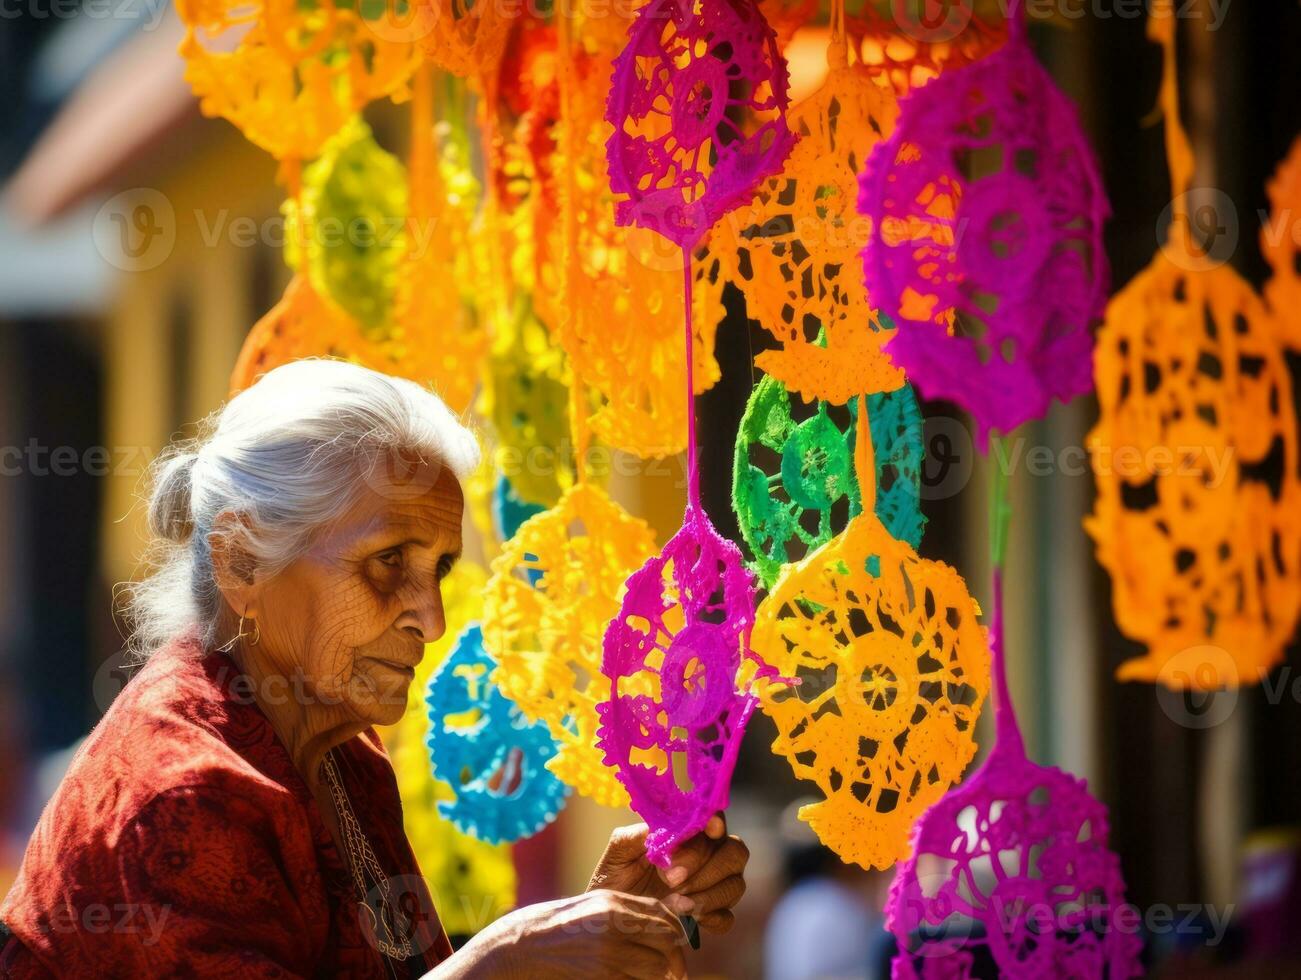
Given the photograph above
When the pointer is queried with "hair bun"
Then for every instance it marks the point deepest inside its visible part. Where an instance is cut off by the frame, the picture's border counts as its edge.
(170, 515)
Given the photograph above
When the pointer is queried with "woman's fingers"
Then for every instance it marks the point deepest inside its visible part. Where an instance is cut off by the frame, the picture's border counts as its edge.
(693, 854)
(726, 857)
(717, 922)
(722, 895)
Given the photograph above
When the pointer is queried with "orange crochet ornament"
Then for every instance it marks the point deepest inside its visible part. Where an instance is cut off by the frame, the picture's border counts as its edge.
(290, 74)
(892, 668)
(1280, 241)
(622, 329)
(464, 38)
(912, 41)
(553, 588)
(429, 305)
(1198, 513)
(794, 252)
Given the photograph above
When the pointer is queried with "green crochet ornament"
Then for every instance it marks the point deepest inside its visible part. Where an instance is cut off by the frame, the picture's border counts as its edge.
(793, 483)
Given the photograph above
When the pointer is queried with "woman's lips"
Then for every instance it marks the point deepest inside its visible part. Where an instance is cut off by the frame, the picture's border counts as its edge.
(407, 670)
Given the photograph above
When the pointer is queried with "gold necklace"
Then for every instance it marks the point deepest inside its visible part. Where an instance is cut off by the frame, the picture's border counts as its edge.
(362, 860)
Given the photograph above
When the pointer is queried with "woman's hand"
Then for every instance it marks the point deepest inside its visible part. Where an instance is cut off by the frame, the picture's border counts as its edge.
(597, 934)
(705, 879)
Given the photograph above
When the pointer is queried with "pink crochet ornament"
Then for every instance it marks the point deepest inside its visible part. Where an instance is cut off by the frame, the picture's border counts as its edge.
(986, 251)
(677, 150)
(683, 630)
(1013, 867)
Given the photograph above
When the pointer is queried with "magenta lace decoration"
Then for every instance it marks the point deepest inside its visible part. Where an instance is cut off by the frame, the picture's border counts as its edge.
(987, 212)
(690, 70)
(1012, 866)
(679, 638)
(675, 652)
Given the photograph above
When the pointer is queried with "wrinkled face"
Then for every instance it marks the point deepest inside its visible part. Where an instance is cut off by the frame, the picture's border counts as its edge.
(351, 617)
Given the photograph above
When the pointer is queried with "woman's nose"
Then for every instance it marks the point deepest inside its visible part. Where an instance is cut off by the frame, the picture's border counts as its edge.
(423, 620)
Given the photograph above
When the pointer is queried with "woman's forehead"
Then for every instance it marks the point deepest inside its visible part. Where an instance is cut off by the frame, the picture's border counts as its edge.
(433, 514)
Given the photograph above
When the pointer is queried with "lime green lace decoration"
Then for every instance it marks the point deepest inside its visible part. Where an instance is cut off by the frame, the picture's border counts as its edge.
(793, 482)
(348, 226)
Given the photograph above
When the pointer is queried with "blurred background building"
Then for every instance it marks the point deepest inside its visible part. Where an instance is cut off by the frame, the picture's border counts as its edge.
(108, 351)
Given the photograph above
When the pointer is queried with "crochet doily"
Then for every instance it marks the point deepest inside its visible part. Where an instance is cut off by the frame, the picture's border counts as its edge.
(493, 757)
(794, 251)
(622, 326)
(290, 75)
(793, 482)
(464, 38)
(1195, 455)
(902, 56)
(1278, 242)
(889, 668)
(673, 722)
(1012, 866)
(553, 588)
(697, 103)
(1195, 410)
(472, 883)
(1018, 272)
(347, 228)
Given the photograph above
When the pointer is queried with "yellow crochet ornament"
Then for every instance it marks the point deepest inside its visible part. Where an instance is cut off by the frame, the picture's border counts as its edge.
(553, 588)
(1198, 512)
(289, 74)
(795, 252)
(891, 670)
(472, 883)
(1280, 241)
(623, 333)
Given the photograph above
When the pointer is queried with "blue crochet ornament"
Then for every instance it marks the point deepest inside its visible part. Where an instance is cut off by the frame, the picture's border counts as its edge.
(491, 755)
(510, 510)
(794, 486)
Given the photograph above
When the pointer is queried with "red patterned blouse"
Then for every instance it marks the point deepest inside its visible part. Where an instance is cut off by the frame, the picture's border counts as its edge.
(182, 842)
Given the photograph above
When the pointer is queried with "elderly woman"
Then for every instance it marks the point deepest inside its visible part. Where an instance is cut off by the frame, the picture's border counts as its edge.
(234, 813)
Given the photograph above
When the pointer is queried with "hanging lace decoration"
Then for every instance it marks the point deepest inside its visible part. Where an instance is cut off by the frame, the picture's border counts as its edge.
(1012, 866)
(890, 668)
(553, 588)
(1198, 512)
(678, 156)
(994, 302)
(289, 75)
(794, 251)
(793, 483)
(493, 757)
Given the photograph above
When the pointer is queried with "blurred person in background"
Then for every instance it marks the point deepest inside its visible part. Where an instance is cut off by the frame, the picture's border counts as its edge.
(234, 814)
(828, 924)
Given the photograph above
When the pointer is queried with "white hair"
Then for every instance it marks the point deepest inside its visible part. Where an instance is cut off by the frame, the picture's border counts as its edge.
(285, 457)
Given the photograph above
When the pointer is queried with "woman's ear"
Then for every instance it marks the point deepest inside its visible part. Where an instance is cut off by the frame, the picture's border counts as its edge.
(234, 569)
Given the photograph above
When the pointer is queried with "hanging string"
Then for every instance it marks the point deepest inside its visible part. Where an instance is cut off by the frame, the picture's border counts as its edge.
(1161, 29)
(578, 403)
(1008, 733)
(693, 476)
(1016, 28)
(865, 459)
(838, 48)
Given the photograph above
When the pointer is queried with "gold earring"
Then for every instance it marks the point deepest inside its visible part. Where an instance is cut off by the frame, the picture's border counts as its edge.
(229, 645)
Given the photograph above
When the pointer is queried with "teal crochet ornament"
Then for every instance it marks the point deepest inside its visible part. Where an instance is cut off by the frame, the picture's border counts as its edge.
(793, 482)
(492, 756)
